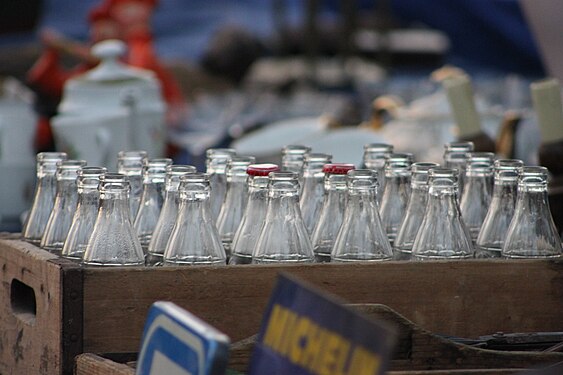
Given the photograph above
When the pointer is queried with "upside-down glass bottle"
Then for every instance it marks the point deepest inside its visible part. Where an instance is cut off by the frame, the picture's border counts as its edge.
(478, 191)
(130, 164)
(532, 232)
(168, 214)
(332, 210)
(44, 198)
(293, 157)
(374, 158)
(495, 226)
(194, 239)
(455, 156)
(64, 207)
(113, 241)
(361, 236)
(283, 237)
(236, 198)
(312, 190)
(396, 193)
(249, 229)
(216, 168)
(85, 214)
(152, 199)
(443, 233)
(414, 213)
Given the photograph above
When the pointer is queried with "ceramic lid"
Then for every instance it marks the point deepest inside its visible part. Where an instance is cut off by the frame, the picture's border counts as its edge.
(111, 85)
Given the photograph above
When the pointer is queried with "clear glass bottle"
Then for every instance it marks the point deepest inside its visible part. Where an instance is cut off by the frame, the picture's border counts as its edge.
(168, 214)
(532, 232)
(374, 158)
(361, 236)
(113, 241)
(194, 239)
(293, 157)
(478, 190)
(216, 164)
(332, 210)
(501, 209)
(152, 199)
(396, 193)
(130, 164)
(236, 199)
(455, 156)
(283, 237)
(312, 190)
(249, 229)
(44, 198)
(85, 214)
(64, 207)
(414, 213)
(443, 233)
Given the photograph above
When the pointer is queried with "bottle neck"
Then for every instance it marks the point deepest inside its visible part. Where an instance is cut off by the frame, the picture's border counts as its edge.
(360, 195)
(314, 170)
(505, 189)
(115, 202)
(532, 201)
(66, 187)
(217, 168)
(442, 202)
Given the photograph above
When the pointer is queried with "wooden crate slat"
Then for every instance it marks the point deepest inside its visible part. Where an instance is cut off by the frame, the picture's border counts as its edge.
(468, 298)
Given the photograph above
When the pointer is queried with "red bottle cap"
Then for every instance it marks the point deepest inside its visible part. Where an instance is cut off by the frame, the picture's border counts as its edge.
(261, 169)
(338, 168)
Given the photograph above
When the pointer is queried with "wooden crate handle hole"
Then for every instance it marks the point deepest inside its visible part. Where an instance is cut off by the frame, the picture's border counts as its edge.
(22, 298)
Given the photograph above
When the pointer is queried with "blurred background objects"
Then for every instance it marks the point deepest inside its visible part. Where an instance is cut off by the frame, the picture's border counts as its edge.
(258, 75)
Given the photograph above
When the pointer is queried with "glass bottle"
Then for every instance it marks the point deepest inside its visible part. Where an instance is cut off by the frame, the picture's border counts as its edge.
(478, 190)
(293, 157)
(283, 237)
(501, 209)
(414, 212)
(374, 158)
(130, 164)
(64, 207)
(236, 199)
(44, 198)
(194, 239)
(332, 210)
(396, 193)
(443, 233)
(86, 212)
(455, 156)
(312, 190)
(152, 199)
(168, 214)
(113, 241)
(249, 229)
(216, 164)
(532, 232)
(361, 236)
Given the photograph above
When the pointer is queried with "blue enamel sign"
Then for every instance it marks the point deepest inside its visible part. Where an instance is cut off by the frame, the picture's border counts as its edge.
(176, 342)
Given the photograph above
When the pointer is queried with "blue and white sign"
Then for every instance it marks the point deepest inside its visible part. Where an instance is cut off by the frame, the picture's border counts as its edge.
(308, 332)
(176, 342)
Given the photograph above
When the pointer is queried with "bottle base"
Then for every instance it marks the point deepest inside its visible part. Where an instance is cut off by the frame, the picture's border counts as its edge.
(240, 259)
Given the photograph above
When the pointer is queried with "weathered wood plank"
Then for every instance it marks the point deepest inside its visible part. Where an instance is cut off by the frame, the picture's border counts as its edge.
(464, 298)
(91, 364)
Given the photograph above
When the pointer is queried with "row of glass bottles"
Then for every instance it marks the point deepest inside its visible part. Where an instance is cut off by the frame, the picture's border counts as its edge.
(396, 171)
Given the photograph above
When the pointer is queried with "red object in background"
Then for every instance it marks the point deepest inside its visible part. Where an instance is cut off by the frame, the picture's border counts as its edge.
(122, 19)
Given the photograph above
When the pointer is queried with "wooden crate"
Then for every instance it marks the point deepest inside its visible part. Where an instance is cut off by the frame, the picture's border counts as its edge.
(417, 352)
(53, 309)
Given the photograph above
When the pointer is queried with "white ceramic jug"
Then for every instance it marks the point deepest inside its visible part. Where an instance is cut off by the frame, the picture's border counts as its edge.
(110, 108)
